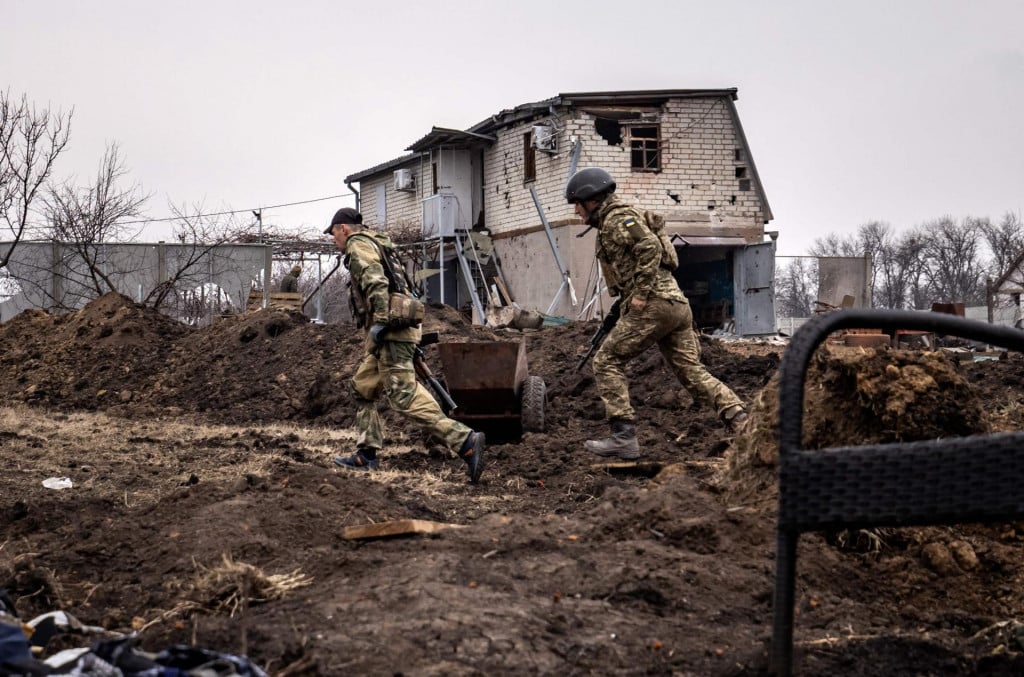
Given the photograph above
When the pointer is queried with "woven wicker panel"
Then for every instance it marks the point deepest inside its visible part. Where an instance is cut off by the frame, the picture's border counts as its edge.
(967, 479)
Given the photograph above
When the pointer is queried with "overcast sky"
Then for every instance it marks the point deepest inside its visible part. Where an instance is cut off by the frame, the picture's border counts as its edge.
(900, 111)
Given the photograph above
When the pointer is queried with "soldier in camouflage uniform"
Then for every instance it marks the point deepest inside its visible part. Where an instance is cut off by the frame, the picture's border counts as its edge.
(387, 365)
(637, 264)
(290, 282)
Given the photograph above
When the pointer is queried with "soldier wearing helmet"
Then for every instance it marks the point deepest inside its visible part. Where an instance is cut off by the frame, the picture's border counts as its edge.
(638, 269)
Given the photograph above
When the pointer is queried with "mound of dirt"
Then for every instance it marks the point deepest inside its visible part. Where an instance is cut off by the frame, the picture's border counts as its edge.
(205, 508)
(861, 396)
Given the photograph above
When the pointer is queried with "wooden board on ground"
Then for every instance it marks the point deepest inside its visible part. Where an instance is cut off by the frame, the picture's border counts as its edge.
(394, 528)
(283, 300)
(642, 468)
(867, 340)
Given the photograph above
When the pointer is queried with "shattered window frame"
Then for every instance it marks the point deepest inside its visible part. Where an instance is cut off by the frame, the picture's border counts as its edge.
(644, 151)
(529, 158)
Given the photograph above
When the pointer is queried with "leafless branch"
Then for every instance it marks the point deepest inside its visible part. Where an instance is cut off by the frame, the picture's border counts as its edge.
(31, 140)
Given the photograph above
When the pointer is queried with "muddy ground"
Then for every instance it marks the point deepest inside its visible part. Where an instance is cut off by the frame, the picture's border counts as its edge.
(205, 509)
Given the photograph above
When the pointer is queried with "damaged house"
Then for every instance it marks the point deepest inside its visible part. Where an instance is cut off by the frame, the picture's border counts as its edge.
(489, 204)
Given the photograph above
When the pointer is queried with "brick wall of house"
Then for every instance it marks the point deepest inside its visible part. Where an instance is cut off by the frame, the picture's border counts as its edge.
(702, 151)
(403, 207)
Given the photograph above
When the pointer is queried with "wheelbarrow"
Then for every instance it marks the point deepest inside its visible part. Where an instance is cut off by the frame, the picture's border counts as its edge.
(492, 387)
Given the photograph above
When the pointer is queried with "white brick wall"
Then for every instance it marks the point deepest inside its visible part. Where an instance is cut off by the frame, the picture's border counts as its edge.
(698, 142)
(403, 207)
(697, 191)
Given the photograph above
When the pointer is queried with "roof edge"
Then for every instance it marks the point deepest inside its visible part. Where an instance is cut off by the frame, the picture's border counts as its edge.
(376, 169)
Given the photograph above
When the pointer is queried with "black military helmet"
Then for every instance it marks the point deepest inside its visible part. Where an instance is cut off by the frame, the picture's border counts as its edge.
(588, 183)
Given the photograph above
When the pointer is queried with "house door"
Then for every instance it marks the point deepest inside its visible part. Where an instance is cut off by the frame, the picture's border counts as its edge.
(754, 309)
(455, 177)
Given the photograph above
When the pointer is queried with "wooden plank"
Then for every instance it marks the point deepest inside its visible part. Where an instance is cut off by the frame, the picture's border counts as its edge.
(642, 468)
(506, 297)
(405, 527)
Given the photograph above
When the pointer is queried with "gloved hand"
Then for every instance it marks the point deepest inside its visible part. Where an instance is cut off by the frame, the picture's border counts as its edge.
(376, 333)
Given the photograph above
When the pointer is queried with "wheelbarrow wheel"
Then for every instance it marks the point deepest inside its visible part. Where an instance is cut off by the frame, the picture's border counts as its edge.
(532, 411)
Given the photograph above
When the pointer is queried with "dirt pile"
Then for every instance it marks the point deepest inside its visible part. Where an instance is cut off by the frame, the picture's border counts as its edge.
(201, 469)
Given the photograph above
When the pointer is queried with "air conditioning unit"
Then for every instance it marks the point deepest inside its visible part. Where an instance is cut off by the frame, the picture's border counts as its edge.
(404, 180)
(545, 138)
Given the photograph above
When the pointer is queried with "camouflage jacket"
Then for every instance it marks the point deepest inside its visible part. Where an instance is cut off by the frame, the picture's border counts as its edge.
(630, 254)
(290, 283)
(367, 278)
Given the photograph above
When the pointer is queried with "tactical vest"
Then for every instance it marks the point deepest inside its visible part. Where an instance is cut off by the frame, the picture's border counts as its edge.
(404, 309)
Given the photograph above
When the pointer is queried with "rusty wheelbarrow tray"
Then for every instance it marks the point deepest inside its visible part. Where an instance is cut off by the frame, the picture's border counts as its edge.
(490, 383)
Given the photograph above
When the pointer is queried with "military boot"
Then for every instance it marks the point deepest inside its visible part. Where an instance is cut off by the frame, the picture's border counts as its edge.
(621, 444)
(472, 452)
(363, 459)
(734, 417)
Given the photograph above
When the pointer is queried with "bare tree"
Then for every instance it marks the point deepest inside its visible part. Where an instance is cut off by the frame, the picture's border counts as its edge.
(796, 287)
(837, 245)
(894, 262)
(31, 140)
(200, 236)
(1006, 243)
(954, 268)
(86, 220)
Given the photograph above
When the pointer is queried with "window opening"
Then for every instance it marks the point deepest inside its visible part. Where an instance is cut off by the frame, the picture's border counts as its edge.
(610, 130)
(645, 148)
(529, 158)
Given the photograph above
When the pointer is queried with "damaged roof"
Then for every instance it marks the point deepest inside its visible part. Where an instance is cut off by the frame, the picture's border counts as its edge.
(483, 132)
(650, 97)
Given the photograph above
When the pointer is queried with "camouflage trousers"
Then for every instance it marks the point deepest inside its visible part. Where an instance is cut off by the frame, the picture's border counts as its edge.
(669, 324)
(390, 371)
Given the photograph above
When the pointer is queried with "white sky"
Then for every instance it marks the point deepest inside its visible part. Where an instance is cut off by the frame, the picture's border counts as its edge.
(896, 110)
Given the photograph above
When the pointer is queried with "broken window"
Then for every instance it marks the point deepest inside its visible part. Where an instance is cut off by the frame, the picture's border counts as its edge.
(645, 148)
(529, 158)
(609, 130)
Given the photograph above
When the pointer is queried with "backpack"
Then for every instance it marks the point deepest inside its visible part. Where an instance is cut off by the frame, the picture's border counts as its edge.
(656, 224)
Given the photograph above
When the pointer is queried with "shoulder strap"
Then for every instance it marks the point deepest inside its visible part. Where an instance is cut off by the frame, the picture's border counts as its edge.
(397, 281)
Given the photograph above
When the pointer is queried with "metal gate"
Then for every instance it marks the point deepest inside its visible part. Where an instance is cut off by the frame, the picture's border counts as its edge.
(754, 305)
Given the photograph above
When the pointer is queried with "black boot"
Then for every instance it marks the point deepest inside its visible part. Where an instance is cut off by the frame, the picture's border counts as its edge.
(734, 417)
(472, 452)
(621, 444)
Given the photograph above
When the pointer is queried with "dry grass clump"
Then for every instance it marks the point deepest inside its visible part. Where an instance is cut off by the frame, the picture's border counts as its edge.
(236, 585)
(229, 588)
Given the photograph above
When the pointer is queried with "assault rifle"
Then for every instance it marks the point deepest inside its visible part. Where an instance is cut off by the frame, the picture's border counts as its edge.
(607, 325)
(423, 371)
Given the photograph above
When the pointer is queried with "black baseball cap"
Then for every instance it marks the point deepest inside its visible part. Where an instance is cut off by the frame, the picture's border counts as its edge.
(344, 215)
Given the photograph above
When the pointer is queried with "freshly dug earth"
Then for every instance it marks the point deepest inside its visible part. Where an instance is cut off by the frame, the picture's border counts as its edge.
(206, 509)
